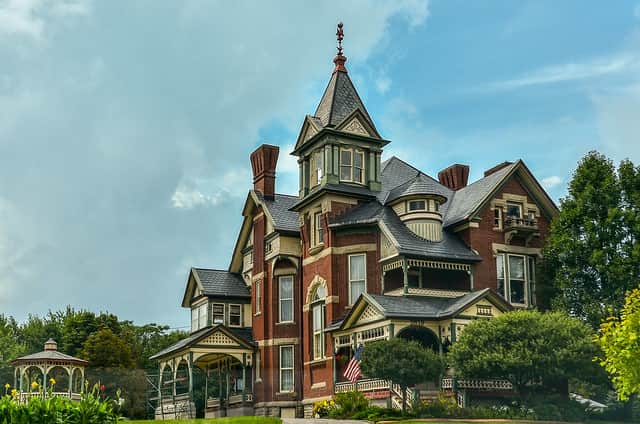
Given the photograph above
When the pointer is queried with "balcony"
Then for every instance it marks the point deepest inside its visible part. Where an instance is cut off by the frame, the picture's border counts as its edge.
(525, 228)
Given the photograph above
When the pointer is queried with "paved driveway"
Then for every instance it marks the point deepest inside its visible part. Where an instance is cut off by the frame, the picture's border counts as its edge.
(319, 421)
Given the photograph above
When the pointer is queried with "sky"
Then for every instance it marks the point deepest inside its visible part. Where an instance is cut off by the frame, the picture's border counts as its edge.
(126, 126)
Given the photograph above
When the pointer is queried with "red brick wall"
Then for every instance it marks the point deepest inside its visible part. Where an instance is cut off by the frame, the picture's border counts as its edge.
(481, 238)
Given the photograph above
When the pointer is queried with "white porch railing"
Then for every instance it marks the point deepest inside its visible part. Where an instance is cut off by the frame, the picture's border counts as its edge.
(234, 399)
(25, 396)
(477, 384)
(376, 384)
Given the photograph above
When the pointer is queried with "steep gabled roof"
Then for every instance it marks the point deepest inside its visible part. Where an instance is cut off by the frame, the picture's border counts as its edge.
(340, 99)
(215, 283)
(242, 336)
(279, 208)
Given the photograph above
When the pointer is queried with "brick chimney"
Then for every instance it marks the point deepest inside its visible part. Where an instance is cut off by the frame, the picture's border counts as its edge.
(496, 168)
(455, 177)
(263, 162)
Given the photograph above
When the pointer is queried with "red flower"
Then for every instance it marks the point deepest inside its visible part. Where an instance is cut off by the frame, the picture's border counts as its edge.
(102, 387)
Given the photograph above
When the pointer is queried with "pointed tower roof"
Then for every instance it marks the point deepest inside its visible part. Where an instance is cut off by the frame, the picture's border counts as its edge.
(340, 98)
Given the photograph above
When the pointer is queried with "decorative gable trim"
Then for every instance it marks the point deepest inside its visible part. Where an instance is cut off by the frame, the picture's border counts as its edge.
(358, 123)
(355, 127)
(218, 338)
(193, 286)
(309, 129)
(365, 310)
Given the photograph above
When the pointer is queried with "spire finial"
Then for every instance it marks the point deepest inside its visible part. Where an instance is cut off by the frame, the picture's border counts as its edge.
(340, 59)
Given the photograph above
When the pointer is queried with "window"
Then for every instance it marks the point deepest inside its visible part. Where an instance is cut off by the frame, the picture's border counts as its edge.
(268, 247)
(317, 322)
(417, 205)
(352, 166)
(198, 317)
(318, 229)
(516, 278)
(531, 215)
(235, 315)
(497, 218)
(286, 369)
(285, 292)
(514, 210)
(345, 165)
(357, 276)
(217, 313)
(258, 288)
(317, 167)
(194, 319)
(258, 371)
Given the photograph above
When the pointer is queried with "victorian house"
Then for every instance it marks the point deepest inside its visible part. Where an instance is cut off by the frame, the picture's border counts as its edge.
(367, 249)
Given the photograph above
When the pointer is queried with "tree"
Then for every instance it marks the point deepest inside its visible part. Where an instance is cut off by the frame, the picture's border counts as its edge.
(10, 349)
(105, 349)
(620, 341)
(528, 348)
(406, 363)
(592, 255)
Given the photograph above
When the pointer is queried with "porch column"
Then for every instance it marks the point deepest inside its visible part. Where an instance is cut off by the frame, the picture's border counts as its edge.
(190, 372)
(244, 377)
(405, 276)
(382, 281)
(470, 272)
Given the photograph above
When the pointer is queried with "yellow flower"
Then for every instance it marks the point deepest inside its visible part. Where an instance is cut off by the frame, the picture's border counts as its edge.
(52, 381)
(7, 386)
(14, 393)
(34, 385)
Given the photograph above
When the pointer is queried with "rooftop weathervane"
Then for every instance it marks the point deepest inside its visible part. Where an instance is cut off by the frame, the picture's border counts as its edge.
(340, 60)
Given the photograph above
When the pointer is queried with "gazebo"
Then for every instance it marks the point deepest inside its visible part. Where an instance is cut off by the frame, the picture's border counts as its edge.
(35, 374)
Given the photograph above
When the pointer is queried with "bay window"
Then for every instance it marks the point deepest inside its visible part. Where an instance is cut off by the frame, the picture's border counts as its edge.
(285, 298)
(357, 276)
(286, 369)
(516, 278)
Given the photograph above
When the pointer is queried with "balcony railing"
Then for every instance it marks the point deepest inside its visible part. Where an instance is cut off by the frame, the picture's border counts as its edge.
(515, 223)
(477, 384)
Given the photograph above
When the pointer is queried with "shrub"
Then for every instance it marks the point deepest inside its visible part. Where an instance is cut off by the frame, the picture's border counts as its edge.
(348, 405)
(57, 410)
(323, 408)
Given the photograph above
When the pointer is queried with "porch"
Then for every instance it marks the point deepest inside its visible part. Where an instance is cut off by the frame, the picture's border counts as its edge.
(419, 277)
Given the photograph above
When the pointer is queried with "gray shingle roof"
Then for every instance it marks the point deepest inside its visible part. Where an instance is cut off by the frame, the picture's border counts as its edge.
(244, 334)
(469, 198)
(451, 246)
(340, 99)
(221, 283)
(420, 184)
(279, 208)
(425, 307)
(49, 355)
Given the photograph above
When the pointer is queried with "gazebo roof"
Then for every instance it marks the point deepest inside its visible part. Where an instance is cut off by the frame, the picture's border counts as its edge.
(49, 354)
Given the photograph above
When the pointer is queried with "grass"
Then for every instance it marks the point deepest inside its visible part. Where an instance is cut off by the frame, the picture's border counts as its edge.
(230, 420)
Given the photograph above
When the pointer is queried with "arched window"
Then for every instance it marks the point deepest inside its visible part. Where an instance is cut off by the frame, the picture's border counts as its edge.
(317, 322)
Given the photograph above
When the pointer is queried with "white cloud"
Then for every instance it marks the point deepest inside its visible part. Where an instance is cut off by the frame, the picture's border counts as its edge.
(551, 182)
(569, 72)
(212, 191)
(383, 84)
(29, 17)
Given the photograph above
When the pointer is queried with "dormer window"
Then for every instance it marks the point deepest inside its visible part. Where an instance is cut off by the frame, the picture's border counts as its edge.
(217, 313)
(352, 165)
(417, 205)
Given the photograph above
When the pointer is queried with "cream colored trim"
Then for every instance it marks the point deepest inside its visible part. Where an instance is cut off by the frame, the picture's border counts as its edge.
(465, 226)
(279, 341)
(258, 216)
(315, 283)
(257, 277)
(319, 385)
(285, 271)
(332, 299)
(318, 361)
(277, 403)
(356, 248)
(307, 401)
(500, 248)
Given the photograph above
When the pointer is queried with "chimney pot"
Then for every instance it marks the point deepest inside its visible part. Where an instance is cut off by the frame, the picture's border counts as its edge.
(455, 177)
(263, 163)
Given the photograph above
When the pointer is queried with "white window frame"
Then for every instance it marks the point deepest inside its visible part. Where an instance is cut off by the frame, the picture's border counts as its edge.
(292, 369)
(317, 167)
(318, 230)
(499, 218)
(281, 299)
(239, 315)
(529, 280)
(224, 311)
(352, 165)
(519, 205)
(194, 319)
(364, 255)
(424, 203)
(258, 367)
(258, 289)
(318, 342)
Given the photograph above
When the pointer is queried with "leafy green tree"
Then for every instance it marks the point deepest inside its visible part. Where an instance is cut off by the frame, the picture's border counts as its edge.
(620, 341)
(35, 331)
(528, 348)
(150, 339)
(105, 349)
(404, 362)
(10, 349)
(592, 256)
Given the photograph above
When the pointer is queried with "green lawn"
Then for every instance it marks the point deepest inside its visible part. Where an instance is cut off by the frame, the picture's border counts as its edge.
(231, 420)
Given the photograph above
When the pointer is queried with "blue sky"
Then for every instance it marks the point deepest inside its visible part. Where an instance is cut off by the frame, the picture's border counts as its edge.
(125, 127)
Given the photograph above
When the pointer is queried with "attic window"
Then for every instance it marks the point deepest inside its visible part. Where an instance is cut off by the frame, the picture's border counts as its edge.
(417, 205)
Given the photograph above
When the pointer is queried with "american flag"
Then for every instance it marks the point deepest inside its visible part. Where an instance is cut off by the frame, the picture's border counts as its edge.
(352, 373)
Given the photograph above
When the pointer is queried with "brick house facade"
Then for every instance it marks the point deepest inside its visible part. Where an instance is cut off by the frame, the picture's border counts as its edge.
(368, 249)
